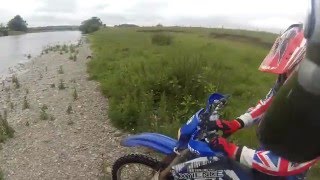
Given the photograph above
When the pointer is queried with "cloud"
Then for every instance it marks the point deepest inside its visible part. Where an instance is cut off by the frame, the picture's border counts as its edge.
(54, 6)
(264, 14)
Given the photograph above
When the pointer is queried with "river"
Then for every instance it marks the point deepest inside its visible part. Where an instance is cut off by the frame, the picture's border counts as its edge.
(14, 49)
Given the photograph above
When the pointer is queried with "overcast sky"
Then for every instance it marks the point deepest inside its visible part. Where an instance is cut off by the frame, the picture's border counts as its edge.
(252, 14)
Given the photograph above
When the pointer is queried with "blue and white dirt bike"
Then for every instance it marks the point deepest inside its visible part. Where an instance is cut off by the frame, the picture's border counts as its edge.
(189, 157)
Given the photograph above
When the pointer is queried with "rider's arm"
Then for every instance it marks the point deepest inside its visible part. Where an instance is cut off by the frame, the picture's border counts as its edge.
(269, 163)
(254, 114)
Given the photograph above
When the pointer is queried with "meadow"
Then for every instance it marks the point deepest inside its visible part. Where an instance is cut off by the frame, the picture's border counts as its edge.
(156, 78)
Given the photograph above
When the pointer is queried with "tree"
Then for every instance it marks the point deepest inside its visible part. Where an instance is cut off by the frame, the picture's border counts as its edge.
(91, 25)
(3, 30)
(17, 24)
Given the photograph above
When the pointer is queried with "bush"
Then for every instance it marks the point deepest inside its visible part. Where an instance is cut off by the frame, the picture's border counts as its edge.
(161, 39)
(91, 25)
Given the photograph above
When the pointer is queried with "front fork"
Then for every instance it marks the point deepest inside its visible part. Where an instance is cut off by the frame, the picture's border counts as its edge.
(173, 160)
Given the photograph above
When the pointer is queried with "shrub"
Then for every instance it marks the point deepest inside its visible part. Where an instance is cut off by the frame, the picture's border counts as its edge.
(161, 39)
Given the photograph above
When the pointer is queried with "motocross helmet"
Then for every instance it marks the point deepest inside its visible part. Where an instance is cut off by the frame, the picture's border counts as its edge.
(287, 51)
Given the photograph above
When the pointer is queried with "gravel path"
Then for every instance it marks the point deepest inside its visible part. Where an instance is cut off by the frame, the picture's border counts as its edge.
(66, 146)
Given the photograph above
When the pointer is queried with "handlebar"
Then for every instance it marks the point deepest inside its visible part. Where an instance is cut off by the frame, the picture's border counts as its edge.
(208, 117)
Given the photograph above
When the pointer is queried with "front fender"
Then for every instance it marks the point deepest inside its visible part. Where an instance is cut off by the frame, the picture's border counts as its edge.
(158, 142)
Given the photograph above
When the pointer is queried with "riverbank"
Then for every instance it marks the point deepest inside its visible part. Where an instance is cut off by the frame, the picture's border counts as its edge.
(59, 116)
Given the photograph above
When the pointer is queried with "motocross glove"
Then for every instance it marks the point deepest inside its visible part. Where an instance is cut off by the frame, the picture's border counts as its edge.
(227, 127)
(221, 144)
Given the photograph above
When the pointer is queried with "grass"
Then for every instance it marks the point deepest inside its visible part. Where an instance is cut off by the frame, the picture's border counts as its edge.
(6, 131)
(161, 39)
(43, 112)
(159, 87)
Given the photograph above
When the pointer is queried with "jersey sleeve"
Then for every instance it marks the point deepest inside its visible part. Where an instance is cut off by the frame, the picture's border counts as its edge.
(269, 163)
(254, 114)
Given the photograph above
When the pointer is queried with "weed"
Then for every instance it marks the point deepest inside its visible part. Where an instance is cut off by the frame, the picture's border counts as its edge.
(27, 123)
(60, 70)
(25, 104)
(52, 85)
(44, 107)
(61, 85)
(69, 109)
(5, 130)
(46, 68)
(71, 57)
(72, 48)
(29, 56)
(44, 115)
(15, 81)
(75, 94)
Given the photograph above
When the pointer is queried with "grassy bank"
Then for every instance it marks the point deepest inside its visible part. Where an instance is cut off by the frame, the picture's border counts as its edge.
(158, 87)
(155, 84)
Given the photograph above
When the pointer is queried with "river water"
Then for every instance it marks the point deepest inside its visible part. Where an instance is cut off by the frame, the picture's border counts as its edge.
(14, 49)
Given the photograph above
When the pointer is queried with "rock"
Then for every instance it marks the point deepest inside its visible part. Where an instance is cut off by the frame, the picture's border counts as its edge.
(108, 170)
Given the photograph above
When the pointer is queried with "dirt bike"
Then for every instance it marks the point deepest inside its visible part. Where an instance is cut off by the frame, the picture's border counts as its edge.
(189, 157)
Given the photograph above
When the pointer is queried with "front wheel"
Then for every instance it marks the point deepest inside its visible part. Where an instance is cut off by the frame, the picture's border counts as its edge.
(135, 166)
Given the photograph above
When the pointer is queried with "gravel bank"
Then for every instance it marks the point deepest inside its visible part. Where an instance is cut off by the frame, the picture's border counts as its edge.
(65, 146)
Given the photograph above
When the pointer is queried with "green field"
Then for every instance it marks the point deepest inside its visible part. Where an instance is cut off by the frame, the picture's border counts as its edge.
(157, 83)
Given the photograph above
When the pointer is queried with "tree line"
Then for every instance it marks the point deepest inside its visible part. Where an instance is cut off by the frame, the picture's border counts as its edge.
(19, 24)
(15, 24)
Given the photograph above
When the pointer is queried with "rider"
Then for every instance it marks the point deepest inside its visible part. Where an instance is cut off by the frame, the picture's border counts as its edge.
(286, 53)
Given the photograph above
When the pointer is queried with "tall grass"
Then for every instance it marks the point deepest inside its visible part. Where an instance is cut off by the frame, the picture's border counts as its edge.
(159, 87)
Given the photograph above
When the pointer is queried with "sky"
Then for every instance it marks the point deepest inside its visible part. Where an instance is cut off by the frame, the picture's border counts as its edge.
(269, 15)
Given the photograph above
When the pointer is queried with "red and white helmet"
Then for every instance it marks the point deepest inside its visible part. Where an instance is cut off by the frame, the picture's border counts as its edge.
(288, 50)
